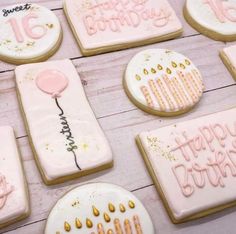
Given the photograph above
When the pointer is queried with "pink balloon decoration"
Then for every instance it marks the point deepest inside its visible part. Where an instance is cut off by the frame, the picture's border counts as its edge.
(52, 82)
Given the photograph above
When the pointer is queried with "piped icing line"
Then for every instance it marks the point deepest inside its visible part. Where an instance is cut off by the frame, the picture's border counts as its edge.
(118, 227)
(5, 190)
(137, 224)
(198, 79)
(195, 84)
(127, 227)
(147, 96)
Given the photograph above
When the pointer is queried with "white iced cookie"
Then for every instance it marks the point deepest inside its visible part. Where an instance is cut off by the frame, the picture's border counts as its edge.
(99, 208)
(14, 204)
(214, 18)
(163, 82)
(28, 33)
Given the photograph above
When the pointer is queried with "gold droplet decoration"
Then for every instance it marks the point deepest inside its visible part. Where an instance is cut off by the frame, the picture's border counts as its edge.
(111, 207)
(138, 78)
(78, 224)
(145, 71)
(96, 211)
(182, 65)
(159, 67)
(122, 208)
(89, 223)
(187, 62)
(174, 65)
(106, 217)
(153, 71)
(67, 227)
(131, 204)
(168, 71)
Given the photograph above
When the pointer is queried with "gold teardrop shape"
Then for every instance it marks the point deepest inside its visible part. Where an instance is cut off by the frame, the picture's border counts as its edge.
(182, 65)
(111, 207)
(153, 70)
(131, 204)
(145, 71)
(96, 211)
(138, 78)
(174, 65)
(67, 227)
(106, 217)
(122, 208)
(110, 231)
(168, 70)
(78, 224)
(159, 67)
(187, 62)
(89, 223)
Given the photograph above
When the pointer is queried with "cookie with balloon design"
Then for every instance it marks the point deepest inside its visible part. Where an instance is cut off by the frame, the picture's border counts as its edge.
(65, 135)
(28, 33)
(163, 82)
(14, 202)
(213, 18)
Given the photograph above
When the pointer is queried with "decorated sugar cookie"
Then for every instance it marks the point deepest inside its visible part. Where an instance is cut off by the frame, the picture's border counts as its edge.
(163, 82)
(99, 208)
(28, 33)
(214, 18)
(193, 164)
(65, 135)
(14, 204)
(106, 25)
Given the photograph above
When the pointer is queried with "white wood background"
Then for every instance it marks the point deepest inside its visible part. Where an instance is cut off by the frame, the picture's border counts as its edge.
(121, 121)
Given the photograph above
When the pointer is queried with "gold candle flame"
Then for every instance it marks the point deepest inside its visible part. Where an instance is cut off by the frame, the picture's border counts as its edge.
(174, 65)
(106, 217)
(145, 71)
(187, 62)
(168, 70)
(182, 65)
(131, 204)
(78, 224)
(111, 207)
(138, 78)
(67, 227)
(96, 211)
(153, 70)
(159, 67)
(89, 223)
(122, 208)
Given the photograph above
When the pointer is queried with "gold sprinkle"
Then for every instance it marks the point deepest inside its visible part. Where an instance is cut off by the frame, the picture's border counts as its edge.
(89, 223)
(67, 227)
(187, 62)
(153, 70)
(168, 70)
(138, 77)
(78, 224)
(131, 204)
(96, 211)
(122, 208)
(106, 217)
(145, 71)
(174, 65)
(111, 207)
(159, 67)
(182, 65)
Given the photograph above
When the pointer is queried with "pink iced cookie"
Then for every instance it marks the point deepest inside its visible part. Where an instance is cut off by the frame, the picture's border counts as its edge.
(106, 25)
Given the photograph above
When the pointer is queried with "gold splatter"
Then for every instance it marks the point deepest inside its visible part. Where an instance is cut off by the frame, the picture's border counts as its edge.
(138, 77)
(106, 217)
(145, 71)
(110, 231)
(89, 223)
(131, 204)
(78, 224)
(96, 211)
(153, 71)
(187, 62)
(159, 67)
(182, 65)
(111, 207)
(174, 65)
(67, 227)
(122, 208)
(168, 70)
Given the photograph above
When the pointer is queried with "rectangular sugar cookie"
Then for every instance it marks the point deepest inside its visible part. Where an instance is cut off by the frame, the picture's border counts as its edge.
(193, 164)
(228, 56)
(108, 25)
(65, 135)
(14, 203)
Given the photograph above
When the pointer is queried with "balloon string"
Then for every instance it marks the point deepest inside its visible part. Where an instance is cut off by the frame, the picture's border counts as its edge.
(66, 130)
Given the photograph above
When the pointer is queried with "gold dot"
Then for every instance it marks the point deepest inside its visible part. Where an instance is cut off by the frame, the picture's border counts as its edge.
(89, 223)
(78, 224)
(96, 211)
(131, 204)
(138, 77)
(122, 208)
(111, 207)
(67, 227)
(106, 217)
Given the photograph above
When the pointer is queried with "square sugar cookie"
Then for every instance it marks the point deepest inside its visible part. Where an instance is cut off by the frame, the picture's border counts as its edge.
(107, 25)
(14, 201)
(65, 136)
(191, 162)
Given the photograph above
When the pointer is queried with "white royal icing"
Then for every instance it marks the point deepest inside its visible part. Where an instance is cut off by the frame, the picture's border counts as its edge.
(27, 31)
(230, 52)
(13, 196)
(80, 203)
(82, 142)
(163, 80)
(193, 161)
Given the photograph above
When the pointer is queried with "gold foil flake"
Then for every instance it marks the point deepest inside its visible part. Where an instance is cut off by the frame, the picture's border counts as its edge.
(106, 217)
(89, 223)
(122, 208)
(137, 77)
(67, 227)
(182, 65)
(174, 65)
(95, 211)
(131, 204)
(159, 67)
(75, 203)
(145, 71)
(153, 71)
(111, 207)
(85, 146)
(168, 71)
(30, 43)
(187, 62)
(50, 25)
(78, 224)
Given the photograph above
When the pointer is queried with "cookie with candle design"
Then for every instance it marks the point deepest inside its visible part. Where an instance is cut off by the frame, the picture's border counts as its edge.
(192, 161)
(213, 18)
(228, 56)
(99, 208)
(14, 202)
(163, 82)
(106, 25)
(65, 136)
(28, 33)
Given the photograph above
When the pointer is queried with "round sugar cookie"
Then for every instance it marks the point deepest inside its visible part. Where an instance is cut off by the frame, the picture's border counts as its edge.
(99, 208)
(163, 82)
(214, 18)
(28, 33)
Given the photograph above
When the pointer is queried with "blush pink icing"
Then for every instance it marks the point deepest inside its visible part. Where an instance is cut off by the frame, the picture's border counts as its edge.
(5, 190)
(52, 82)
(16, 30)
